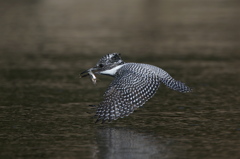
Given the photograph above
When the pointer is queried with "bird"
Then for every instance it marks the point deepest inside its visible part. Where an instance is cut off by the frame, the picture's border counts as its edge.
(132, 86)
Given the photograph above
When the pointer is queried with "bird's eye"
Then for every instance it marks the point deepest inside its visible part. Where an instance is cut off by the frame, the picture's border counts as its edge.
(100, 65)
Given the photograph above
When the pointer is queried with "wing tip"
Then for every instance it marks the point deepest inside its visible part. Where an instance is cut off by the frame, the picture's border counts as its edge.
(186, 90)
(103, 120)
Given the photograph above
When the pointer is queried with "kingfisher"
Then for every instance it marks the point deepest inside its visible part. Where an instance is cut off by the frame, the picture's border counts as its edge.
(133, 84)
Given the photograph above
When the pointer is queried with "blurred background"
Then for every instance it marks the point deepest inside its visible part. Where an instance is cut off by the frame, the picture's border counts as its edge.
(45, 44)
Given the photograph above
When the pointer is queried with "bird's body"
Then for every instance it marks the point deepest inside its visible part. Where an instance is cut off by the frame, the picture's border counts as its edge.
(133, 85)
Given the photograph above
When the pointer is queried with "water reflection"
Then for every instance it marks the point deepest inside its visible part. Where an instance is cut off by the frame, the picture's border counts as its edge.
(119, 143)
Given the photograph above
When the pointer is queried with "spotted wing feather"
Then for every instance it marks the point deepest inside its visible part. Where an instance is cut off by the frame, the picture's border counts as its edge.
(166, 79)
(128, 91)
(132, 86)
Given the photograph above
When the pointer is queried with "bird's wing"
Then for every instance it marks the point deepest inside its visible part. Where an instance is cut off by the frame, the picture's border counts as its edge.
(127, 92)
(166, 79)
(175, 85)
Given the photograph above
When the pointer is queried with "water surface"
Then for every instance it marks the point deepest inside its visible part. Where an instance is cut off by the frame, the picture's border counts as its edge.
(44, 111)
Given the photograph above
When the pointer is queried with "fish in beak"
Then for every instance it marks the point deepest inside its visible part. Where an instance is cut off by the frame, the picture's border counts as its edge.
(90, 73)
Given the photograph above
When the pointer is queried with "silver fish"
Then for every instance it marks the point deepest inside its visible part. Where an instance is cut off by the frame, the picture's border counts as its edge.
(91, 74)
(93, 77)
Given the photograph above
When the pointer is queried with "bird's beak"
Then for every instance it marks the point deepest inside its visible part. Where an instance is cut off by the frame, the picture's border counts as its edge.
(86, 72)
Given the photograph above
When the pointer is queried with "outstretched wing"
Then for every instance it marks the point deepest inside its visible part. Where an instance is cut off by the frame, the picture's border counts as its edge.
(133, 85)
(166, 79)
(128, 91)
(175, 85)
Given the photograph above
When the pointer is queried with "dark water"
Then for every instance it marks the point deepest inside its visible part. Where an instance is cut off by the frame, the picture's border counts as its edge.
(45, 44)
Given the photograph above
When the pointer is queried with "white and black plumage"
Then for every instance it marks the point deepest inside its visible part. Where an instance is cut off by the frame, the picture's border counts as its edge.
(133, 85)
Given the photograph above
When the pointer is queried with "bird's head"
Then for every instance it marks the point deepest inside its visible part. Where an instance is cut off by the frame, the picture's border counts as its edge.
(107, 65)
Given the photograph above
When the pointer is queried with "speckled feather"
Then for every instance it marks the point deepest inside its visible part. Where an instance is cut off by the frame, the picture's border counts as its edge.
(133, 85)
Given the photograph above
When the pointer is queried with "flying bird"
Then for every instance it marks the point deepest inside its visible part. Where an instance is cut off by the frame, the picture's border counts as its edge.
(132, 86)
